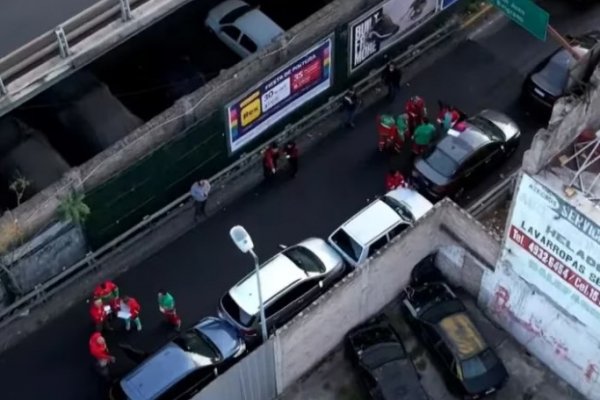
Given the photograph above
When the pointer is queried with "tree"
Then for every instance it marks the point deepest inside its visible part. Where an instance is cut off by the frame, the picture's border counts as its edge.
(73, 208)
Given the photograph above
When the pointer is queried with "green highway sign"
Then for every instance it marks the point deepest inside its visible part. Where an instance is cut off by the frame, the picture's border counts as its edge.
(527, 14)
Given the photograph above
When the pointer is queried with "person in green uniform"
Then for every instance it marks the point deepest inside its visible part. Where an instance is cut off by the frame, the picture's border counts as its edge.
(166, 305)
(424, 135)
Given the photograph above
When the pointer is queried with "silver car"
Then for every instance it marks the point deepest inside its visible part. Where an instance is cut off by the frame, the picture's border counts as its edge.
(375, 225)
(290, 281)
(243, 28)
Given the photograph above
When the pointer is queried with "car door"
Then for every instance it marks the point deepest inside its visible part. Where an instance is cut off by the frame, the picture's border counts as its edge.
(288, 304)
(188, 386)
(475, 166)
(231, 35)
(377, 245)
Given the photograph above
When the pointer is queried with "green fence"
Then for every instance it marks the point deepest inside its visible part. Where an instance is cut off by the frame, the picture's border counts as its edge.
(201, 151)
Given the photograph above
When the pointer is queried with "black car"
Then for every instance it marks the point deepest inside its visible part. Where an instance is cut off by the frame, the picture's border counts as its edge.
(556, 76)
(381, 360)
(471, 367)
(465, 154)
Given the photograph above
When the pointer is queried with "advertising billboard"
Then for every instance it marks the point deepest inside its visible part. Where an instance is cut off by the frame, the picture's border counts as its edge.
(555, 245)
(383, 26)
(279, 94)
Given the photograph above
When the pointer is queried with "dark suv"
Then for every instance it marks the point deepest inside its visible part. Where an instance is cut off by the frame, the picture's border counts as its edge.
(471, 367)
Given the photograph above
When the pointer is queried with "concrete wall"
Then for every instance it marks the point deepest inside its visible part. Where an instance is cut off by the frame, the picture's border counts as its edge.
(570, 117)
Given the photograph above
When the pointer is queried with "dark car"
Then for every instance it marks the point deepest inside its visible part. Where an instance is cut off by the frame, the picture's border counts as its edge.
(471, 367)
(385, 370)
(185, 365)
(461, 157)
(556, 76)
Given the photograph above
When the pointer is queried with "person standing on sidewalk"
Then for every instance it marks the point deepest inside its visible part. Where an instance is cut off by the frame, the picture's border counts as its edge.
(166, 305)
(199, 192)
(270, 159)
(291, 154)
(350, 104)
(391, 77)
(99, 350)
(134, 310)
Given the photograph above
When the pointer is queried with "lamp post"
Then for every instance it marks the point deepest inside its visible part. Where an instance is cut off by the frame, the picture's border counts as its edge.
(243, 241)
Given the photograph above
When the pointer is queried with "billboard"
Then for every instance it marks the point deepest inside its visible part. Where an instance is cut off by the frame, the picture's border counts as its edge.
(383, 26)
(554, 244)
(279, 94)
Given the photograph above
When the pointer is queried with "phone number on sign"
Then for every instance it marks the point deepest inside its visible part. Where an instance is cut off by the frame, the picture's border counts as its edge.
(555, 265)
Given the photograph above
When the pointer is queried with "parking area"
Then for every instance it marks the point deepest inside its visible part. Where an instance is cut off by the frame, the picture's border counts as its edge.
(335, 378)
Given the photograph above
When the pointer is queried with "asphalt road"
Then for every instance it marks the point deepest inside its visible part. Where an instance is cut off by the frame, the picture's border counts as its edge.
(336, 179)
(23, 20)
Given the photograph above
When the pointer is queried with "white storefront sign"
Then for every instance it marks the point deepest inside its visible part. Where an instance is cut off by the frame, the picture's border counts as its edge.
(555, 246)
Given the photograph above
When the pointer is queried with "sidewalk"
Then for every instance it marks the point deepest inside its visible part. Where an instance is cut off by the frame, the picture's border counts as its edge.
(336, 178)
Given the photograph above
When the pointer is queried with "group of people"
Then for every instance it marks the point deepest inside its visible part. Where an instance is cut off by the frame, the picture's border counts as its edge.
(272, 155)
(108, 306)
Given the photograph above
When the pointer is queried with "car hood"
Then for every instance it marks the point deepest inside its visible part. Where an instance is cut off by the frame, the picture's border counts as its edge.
(430, 174)
(493, 378)
(503, 122)
(224, 336)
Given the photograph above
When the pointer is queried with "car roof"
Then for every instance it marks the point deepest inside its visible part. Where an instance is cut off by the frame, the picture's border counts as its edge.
(415, 201)
(371, 222)
(461, 335)
(259, 27)
(460, 145)
(159, 372)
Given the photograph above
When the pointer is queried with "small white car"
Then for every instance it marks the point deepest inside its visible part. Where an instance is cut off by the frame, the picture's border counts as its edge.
(375, 225)
(243, 28)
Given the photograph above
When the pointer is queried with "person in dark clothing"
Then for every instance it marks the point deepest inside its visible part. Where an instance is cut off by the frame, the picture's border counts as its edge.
(350, 105)
(270, 158)
(391, 77)
(291, 154)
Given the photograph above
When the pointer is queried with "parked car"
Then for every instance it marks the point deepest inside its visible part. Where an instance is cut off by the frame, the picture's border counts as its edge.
(556, 76)
(243, 28)
(462, 157)
(185, 365)
(439, 318)
(375, 225)
(385, 370)
(290, 281)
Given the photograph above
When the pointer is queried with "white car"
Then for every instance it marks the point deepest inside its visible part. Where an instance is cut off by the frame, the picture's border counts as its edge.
(375, 225)
(243, 28)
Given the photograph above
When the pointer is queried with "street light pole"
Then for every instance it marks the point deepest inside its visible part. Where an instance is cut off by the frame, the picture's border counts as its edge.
(243, 241)
(263, 320)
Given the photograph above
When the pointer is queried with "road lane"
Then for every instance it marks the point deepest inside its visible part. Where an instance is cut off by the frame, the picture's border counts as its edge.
(23, 20)
(335, 180)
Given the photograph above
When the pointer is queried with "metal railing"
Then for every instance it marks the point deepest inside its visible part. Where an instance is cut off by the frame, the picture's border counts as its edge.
(93, 260)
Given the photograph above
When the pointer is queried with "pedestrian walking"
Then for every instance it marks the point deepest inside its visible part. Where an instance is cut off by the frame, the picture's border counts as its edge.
(270, 159)
(391, 77)
(134, 311)
(199, 192)
(394, 180)
(291, 154)
(166, 305)
(424, 135)
(99, 350)
(350, 105)
(98, 314)
(108, 292)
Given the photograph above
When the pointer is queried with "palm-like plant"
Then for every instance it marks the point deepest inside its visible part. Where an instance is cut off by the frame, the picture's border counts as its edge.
(73, 208)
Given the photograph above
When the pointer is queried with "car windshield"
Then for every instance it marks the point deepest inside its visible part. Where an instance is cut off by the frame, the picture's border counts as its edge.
(305, 259)
(236, 311)
(232, 16)
(400, 207)
(347, 244)
(442, 163)
(479, 365)
(487, 127)
(195, 342)
(555, 74)
(434, 311)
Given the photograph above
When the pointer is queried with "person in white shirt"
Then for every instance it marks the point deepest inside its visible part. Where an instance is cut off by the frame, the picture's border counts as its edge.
(199, 193)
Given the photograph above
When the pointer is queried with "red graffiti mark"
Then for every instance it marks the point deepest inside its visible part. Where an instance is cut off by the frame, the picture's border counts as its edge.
(591, 372)
(501, 299)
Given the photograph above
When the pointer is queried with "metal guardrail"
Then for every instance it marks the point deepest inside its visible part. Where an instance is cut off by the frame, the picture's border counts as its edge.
(499, 193)
(93, 260)
(56, 43)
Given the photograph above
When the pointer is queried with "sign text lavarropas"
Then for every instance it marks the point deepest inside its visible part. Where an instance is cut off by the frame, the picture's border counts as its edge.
(553, 245)
(279, 94)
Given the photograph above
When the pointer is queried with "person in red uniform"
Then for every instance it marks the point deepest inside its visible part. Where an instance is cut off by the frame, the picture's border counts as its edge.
(108, 292)
(291, 154)
(270, 158)
(416, 110)
(99, 350)
(393, 180)
(98, 314)
(134, 310)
